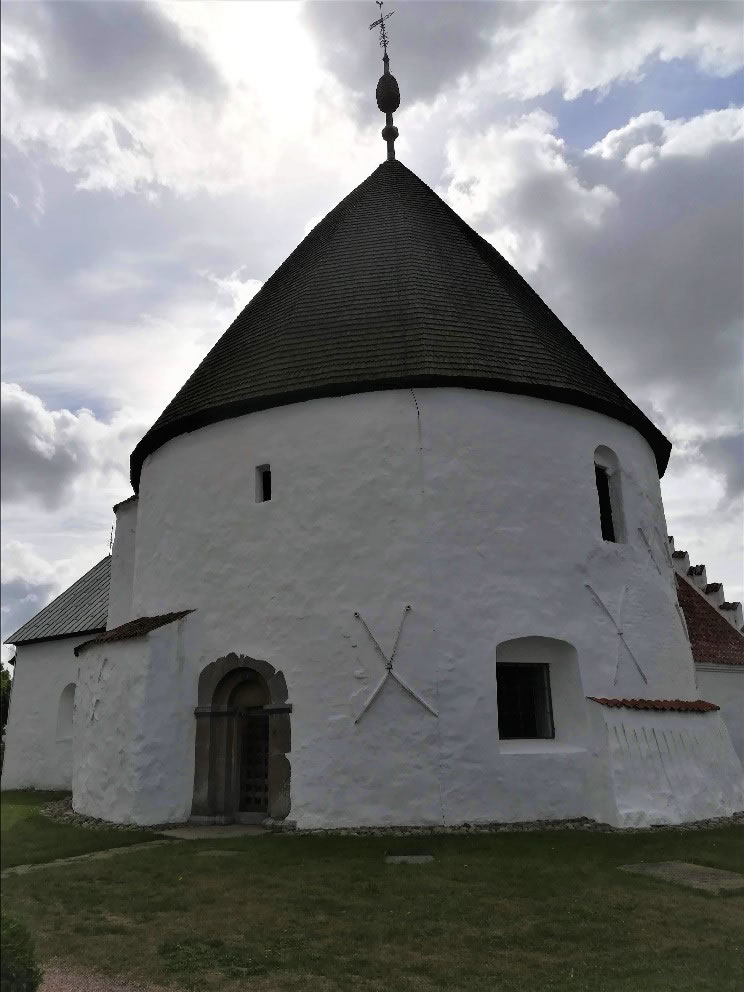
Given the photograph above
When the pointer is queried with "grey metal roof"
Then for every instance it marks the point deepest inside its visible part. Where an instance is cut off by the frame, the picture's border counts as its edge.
(391, 290)
(81, 609)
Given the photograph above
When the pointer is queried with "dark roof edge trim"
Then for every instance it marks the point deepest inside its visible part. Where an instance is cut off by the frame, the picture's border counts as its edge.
(669, 705)
(56, 637)
(157, 437)
(130, 499)
(140, 627)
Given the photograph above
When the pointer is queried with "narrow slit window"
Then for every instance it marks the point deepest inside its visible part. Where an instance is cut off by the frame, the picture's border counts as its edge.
(605, 503)
(263, 483)
(524, 703)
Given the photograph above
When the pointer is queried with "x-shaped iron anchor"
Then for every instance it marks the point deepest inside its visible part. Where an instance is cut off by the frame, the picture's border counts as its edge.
(622, 643)
(389, 673)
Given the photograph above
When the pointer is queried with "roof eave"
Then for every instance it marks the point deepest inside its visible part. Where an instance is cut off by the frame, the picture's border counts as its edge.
(53, 637)
(159, 435)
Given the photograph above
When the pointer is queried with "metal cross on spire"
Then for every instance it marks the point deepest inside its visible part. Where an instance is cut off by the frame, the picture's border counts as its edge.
(380, 22)
(387, 93)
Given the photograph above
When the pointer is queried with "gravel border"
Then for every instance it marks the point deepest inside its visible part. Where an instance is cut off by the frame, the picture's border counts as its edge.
(61, 811)
(577, 823)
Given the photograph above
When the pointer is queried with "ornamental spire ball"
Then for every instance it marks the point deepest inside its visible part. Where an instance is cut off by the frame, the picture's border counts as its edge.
(387, 92)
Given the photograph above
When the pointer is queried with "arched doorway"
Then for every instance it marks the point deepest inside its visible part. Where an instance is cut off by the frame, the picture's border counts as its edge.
(242, 739)
(248, 699)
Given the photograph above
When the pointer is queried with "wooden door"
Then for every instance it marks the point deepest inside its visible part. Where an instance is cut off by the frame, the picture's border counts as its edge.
(254, 763)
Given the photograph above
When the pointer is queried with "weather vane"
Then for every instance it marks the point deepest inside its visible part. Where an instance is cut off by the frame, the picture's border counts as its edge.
(380, 22)
(387, 92)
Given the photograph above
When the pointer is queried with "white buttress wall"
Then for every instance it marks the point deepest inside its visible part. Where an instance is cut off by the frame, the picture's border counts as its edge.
(671, 767)
(724, 685)
(480, 511)
(122, 565)
(38, 748)
(131, 730)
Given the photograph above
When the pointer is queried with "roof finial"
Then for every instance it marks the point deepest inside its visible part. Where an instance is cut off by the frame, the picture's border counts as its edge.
(387, 92)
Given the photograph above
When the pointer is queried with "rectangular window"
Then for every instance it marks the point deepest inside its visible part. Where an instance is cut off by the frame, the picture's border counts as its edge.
(523, 698)
(263, 484)
(605, 503)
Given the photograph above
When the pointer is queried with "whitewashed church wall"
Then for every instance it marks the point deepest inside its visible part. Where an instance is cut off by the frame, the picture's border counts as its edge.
(134, 735)
(38, 746)
(480, 511)
(122, 565)
(724, 685)
(672, 767)
(111, 691)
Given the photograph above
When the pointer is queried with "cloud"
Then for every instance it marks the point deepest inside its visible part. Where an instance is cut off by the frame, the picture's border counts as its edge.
(523, 50)
(48, 454)
(28, 584)
(121, 142)
(636, 244)
(725, 456)
(576, 47)
(30, 581)
(85, 54)
(239, 290)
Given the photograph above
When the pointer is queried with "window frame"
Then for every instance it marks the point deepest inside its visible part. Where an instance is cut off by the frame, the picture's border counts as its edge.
(545, 718)
(263, 472)
(606, 463)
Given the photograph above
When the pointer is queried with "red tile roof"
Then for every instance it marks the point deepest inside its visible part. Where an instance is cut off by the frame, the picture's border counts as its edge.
(713, 640)
(679, 705)
(134, 628)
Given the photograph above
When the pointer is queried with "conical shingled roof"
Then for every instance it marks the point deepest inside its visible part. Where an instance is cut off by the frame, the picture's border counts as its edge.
(391, 290)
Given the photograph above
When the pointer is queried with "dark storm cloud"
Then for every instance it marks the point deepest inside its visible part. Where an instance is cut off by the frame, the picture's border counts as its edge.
(657, 286)
(725, 456)
(106, 53)
(431, 44)
(40, 459)
(22, 600)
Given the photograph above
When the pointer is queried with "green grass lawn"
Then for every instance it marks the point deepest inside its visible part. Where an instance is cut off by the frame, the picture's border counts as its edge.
(27, 837)
(522, 912)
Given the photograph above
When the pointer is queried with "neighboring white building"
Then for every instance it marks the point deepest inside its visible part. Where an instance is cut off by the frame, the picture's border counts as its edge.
(397, 555)
(40, 718)
(715, 629)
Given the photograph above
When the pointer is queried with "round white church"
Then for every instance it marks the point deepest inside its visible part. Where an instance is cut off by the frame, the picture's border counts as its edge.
(396, 556)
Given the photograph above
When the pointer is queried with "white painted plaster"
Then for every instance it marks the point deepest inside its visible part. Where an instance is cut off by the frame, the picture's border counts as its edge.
(724, 685)
(34, 756)
(670, 767)
(134, 724)
(482, 513)
(122, 565)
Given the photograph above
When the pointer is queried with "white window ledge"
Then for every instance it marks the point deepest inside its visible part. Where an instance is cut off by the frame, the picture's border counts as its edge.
(540, 746)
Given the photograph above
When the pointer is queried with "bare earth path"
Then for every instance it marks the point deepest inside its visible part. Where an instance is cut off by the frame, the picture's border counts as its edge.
(61, 980)
(94, 856)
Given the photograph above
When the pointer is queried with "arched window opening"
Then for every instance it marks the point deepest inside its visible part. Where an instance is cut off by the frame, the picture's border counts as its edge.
(65, 712)
(538, 691)
(609, 494)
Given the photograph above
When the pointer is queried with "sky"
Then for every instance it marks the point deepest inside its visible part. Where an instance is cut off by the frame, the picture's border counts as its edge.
(160, 160)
